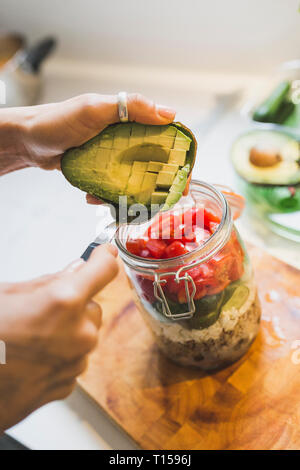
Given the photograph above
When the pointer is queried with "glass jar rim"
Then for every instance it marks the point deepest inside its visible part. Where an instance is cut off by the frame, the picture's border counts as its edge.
(204, 252)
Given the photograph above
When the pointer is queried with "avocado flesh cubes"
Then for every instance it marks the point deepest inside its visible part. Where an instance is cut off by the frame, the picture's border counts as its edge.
(284, 172)
(164, 179)
(159, 197)
(177, 187)
(131, 159)
(177, 157)
(139, 166)
(101, 158)
(170, 167)
(147, 188)
(154, 167)
(135, 183)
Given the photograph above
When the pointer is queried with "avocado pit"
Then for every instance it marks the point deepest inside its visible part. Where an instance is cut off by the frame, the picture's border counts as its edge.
(264, 158)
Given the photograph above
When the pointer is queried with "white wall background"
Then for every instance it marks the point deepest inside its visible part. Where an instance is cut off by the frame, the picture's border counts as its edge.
(249, 36)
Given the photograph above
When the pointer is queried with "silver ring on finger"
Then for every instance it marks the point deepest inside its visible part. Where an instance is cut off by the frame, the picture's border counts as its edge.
(122, 106)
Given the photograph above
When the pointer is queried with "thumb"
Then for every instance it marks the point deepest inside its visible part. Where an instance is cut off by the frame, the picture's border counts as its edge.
(92, 276)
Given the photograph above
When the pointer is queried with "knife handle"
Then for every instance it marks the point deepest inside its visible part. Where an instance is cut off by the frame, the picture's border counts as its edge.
(85, 256)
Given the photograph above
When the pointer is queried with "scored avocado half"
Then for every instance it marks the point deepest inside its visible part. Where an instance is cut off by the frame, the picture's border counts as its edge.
(148, 164)
(267, 157)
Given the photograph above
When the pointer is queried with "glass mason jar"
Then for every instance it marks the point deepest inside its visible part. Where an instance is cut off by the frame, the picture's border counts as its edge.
(202, 307)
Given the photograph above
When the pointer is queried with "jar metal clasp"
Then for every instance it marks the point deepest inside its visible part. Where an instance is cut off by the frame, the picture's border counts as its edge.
(160, 295)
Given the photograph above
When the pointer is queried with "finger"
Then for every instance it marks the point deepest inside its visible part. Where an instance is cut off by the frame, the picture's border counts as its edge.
(98, 111)
(97, 272)
(145, 111)
(93, 311)
(88, 114)
(74, 266)
(93, 200)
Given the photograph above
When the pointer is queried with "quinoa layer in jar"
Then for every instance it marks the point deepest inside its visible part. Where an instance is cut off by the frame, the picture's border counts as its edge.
(217, 345)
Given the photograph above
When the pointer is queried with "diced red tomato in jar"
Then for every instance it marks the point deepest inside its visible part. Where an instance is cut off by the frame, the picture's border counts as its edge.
(135, 246)
(176, 248)
(156, 248)
(174, 234)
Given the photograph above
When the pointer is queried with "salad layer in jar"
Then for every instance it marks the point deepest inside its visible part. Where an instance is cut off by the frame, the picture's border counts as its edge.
(226, 307)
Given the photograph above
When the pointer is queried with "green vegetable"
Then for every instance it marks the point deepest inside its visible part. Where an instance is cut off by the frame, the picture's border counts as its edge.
(237, 299)
(293, 120)
(267, 111)
(285, 110)
(208, 308)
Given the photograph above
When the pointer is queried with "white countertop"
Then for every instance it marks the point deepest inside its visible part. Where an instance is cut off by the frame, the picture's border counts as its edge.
(47, 222)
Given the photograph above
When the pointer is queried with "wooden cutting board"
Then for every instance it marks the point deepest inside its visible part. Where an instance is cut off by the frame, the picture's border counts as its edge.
(253, 404)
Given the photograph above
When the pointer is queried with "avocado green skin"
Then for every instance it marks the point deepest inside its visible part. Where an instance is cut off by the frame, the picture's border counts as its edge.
(267, 111)
(111, 197)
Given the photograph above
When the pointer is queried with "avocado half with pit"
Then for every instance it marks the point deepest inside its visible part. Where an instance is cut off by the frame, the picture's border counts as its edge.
(267, 157)
(148, 164)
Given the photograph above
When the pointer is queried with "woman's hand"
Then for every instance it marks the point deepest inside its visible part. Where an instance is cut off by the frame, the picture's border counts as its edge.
(38, 135)
(49, 325)
(53, 128)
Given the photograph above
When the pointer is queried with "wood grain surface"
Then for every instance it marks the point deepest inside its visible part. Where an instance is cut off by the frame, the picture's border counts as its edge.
(253, 404)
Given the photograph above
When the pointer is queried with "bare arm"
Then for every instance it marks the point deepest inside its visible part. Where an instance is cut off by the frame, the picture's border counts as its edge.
(12, 150)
